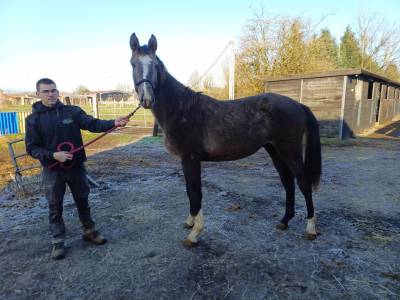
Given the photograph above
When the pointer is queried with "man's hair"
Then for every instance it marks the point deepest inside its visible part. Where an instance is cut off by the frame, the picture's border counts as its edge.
(43, 81)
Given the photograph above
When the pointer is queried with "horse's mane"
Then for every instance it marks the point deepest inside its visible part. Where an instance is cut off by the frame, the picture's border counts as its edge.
(186, 96)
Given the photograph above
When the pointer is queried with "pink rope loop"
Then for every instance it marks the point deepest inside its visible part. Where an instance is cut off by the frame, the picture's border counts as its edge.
(71, 146)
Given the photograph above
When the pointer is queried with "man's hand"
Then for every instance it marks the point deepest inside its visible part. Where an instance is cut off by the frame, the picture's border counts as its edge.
(62, 156)
(121, 122)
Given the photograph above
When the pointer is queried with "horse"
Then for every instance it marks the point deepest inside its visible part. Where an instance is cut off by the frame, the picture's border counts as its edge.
(200, 128)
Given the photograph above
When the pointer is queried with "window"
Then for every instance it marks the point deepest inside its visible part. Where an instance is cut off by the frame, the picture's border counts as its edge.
(370, 89)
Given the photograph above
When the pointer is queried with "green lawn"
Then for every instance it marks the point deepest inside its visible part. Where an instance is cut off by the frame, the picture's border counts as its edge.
(17, 108)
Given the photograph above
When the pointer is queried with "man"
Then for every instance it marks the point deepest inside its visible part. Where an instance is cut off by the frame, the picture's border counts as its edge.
(50, 124)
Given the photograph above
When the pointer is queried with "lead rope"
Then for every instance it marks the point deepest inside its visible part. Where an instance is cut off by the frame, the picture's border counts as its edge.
(73, 150)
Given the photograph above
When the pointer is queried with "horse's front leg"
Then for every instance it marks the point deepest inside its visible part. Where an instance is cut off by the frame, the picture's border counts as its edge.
(192, 171)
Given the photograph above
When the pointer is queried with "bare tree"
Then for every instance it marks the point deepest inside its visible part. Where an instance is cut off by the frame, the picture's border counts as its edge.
(254, 57)
(194, 80)
(379, 41)
(223, 91)
(81, 90)
(124, 87)
(273, 46)
(2, 97)
(208, 83)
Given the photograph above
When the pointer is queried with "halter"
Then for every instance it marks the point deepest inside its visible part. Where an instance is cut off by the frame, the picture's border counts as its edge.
(143, 81)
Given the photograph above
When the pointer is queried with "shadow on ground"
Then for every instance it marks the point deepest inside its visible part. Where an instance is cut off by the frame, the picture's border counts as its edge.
(391, 131)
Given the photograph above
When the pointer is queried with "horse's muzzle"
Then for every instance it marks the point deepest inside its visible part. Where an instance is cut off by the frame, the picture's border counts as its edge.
(146, 102)
(146, 96)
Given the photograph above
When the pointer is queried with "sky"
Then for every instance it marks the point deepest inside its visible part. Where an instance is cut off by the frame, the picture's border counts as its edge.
(78, 42)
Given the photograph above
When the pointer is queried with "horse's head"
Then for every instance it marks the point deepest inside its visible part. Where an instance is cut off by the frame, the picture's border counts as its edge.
(146, 70)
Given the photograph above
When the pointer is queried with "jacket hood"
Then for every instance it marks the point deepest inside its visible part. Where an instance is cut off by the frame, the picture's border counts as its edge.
(39, 107)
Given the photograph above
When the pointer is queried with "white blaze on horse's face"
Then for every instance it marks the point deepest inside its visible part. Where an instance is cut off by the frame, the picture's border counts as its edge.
(144, 69)
(147, 94)
(145, 79)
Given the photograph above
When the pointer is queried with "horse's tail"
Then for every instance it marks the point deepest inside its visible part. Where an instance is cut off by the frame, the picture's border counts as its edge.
(312, 161)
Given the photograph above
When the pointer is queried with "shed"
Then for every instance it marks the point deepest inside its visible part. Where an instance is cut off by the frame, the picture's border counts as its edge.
(111, 95)
(345, 102)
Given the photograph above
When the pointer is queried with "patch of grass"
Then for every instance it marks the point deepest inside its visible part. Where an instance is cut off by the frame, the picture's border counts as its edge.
(7, 168)
(4, 153)
(107, 142)
(151, 140)
(121, 137)
(13, 107)
(117, 138)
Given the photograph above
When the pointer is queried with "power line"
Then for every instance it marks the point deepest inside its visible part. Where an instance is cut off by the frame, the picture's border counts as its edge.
(213, 64)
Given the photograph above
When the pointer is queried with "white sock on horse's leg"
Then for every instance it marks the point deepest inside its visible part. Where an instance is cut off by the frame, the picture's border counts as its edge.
(197, 227)
(189, 221)
(310, 229)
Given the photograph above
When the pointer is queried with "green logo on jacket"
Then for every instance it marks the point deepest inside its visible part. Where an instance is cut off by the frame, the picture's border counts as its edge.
(67, 121)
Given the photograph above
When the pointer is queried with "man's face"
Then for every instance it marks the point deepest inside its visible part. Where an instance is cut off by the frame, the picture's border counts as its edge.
(48, 93)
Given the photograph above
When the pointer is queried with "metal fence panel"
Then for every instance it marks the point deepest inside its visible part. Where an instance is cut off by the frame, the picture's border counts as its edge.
(8, 123)
(21, 120)
(112, 110)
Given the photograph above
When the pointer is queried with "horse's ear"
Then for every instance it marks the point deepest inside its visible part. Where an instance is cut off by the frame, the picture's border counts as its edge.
(152, 43)
(134, 42)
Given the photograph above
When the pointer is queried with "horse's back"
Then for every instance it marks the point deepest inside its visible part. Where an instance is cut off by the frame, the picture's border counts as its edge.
(268, 109)
(237, 128)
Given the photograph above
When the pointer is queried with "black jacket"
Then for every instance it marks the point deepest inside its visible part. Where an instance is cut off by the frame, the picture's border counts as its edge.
(47, 127)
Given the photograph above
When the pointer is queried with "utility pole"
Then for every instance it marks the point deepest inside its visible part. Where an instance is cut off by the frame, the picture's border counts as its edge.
(232, 72)
(95, 106)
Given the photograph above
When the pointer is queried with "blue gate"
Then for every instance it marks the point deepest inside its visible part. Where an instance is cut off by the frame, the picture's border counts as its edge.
(8, 123)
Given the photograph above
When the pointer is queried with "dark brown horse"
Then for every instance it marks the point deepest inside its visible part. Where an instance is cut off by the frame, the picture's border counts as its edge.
(199, 128)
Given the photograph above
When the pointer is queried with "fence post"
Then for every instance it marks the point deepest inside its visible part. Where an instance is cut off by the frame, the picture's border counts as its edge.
(95, 106)
(17, 172)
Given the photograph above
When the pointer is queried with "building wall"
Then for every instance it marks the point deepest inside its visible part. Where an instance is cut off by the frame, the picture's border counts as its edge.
(360, 110)
(360, 100)
(349, 102)
(289, 88)
(389, 106)
(322, 95)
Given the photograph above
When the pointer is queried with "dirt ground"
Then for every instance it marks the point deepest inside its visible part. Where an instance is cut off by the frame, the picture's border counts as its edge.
(141, 205)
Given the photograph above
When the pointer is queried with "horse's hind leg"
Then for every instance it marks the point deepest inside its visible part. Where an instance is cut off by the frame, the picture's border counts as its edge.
(305, 186)
(294, 159)
(192, 171)
(287, 179)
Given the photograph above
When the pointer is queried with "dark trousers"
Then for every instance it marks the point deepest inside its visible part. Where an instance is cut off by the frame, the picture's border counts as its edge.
(54, 184)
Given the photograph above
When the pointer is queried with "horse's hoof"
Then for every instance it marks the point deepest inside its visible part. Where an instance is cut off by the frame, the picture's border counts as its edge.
(281, 226)
(188, 243)
(187, 226)
(310, 236)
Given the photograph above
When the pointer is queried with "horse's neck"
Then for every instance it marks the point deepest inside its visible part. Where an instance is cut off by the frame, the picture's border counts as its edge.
(172, 100)
(173, 91)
